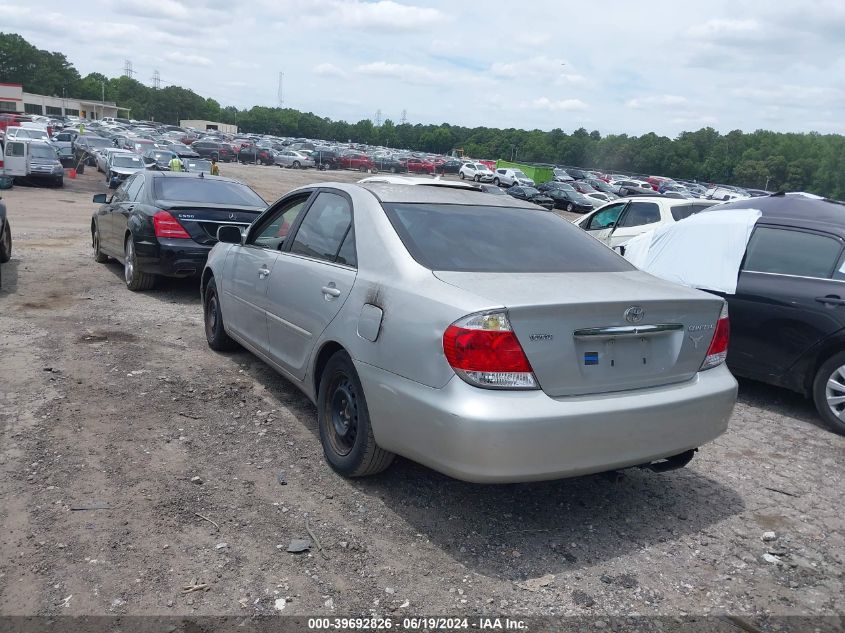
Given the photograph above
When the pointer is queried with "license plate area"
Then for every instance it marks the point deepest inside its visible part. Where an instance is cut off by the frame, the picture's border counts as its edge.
(621, 352)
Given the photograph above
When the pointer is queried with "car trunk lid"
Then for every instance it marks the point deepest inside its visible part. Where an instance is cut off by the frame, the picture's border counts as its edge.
(201, 220)
(575, 333)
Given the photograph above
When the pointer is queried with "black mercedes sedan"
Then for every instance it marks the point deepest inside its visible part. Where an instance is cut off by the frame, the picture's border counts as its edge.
(165, 223)
(531, 195)
(788, 313)
(566, 197)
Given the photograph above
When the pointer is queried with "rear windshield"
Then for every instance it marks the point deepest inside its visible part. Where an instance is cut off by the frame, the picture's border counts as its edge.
(467, 238)
(128, 161)
(206, 190)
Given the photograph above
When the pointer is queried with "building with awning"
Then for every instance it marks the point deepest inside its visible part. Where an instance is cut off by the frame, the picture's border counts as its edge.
(14, 99)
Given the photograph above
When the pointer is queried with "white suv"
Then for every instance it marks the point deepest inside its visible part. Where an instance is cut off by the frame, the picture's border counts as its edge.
(511, 177)
(475, 171)
(617, 222)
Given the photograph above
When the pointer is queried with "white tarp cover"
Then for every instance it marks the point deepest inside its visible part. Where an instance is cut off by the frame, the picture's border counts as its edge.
(703, 251)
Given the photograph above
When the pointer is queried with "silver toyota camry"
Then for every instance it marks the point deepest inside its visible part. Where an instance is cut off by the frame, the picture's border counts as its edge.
(481, 336)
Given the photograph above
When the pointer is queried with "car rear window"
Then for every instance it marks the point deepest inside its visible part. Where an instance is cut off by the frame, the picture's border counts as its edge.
(683, 211)
(206, 190)
(470, 238)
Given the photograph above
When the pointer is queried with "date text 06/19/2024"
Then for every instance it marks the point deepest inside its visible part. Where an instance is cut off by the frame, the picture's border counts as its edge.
(416, 624)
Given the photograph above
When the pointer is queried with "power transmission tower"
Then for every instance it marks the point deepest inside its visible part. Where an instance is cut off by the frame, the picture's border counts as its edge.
(281, 90)
(378, 118)
(156, 80)
(404, 119)
(127, 68)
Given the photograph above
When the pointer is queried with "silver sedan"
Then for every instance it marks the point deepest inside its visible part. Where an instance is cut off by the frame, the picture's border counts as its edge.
(475, 334)
(293, 159)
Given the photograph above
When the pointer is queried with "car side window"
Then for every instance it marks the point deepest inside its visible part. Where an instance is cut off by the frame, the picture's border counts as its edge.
(605, 218)
(134, 189)
(790, 252)
(14, 149)
(347, 254)
(272, 233)
(120, 193)
(325, 226)
(640, 214)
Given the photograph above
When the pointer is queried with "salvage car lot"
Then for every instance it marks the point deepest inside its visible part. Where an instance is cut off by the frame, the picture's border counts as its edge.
(112, 398)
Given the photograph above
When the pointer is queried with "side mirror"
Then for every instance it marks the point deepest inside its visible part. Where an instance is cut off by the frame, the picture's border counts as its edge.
(101, 198)
(229, 234)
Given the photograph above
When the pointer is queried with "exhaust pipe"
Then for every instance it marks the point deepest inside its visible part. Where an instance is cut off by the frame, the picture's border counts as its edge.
(671, 463)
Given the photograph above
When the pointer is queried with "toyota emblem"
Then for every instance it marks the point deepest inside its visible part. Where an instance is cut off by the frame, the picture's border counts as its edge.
(634, 314)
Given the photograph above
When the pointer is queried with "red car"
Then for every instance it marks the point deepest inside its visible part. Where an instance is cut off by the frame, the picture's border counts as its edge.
(419, 166)
(361, 162)
(656, 181)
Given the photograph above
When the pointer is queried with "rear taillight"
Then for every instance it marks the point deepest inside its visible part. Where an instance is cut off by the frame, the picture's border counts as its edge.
(718, 350)
(484, 351)
(166, 225)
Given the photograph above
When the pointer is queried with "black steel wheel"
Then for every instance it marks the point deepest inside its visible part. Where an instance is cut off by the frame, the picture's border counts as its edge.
(344, 421)
(215, 332)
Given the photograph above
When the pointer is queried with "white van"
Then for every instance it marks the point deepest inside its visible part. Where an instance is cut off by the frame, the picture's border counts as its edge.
(26, 158)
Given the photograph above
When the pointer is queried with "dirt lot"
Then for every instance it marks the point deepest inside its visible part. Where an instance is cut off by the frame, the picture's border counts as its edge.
(112, 399)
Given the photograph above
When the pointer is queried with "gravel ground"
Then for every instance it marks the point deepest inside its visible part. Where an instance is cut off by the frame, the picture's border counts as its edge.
(112, 405)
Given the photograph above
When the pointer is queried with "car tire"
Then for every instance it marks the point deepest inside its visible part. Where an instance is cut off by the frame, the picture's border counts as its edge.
(215, 332)
(344, 422)
(461, 175)
(569, 207)
(60, 182)
(362, 168)
(6, 244)
(496, 182)
(830, 369)
(99, 256)
(477, 179)
(136, 280)
(296, 165)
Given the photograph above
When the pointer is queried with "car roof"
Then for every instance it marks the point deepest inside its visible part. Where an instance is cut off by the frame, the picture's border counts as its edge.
(796, 209)
(386, 192)
(182, 174)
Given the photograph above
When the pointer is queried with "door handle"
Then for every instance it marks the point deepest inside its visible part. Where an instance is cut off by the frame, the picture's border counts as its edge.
(833, 300)
(330, 291)
(263, 273)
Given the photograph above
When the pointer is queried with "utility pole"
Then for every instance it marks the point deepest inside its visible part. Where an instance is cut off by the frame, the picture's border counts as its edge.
(156, 80)
(127, 68)
(378, 118)
(281, 93)
(404, 119)
(103, 100)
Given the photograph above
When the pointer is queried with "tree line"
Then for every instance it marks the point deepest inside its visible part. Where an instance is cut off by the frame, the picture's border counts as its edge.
(761, 159)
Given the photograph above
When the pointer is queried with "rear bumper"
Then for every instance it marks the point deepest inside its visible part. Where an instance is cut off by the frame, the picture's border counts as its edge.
(511, 436)
(171, 257)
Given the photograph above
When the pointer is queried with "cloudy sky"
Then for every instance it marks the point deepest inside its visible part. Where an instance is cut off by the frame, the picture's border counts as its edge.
(615, 66)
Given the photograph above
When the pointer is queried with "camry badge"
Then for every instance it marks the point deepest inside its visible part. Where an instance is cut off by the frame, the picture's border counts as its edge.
(634, 314)
(696, 340)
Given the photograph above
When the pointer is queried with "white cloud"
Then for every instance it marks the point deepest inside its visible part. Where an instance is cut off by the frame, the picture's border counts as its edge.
(161, 9)
(328, 70)
(187, 58)
(544, 103)
(539, 65)
(723, 28)
(386, 14)
(409, 73)
(652, 101)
